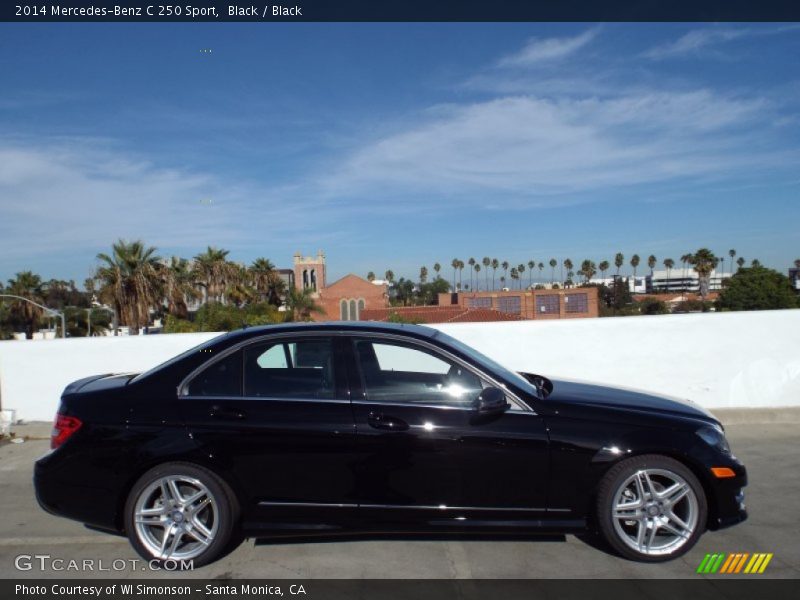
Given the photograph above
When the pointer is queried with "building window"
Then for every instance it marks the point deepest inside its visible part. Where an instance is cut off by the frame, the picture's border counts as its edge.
(343, 314)
(484, 302)
(576, 303)
(353, 311)
(547, 304)
(361, 305)
(510, 304)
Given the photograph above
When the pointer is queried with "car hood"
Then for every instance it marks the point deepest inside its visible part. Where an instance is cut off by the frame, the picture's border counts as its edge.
(574, 392)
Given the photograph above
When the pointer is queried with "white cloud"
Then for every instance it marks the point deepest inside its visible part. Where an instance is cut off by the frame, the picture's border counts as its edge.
(539, 50)
(544, 150)
(700, 39)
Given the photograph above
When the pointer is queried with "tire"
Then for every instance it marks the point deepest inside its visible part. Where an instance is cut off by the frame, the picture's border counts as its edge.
(651, 508)
(187, 516)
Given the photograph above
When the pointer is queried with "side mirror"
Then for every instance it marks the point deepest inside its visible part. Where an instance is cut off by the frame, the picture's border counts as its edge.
(491, 401)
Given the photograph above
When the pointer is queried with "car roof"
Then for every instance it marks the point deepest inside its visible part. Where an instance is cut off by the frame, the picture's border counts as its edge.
(327, 326)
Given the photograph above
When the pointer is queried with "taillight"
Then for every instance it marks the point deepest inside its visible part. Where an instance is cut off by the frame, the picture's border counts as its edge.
(63, 428)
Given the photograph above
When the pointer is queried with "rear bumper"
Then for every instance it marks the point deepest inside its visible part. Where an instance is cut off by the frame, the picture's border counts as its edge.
(63, 498)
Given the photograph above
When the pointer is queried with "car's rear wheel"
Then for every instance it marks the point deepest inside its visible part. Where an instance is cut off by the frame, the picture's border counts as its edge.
(179, 514)
(651, 508)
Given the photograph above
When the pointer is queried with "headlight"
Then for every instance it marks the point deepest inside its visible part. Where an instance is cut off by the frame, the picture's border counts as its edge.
(714, 437)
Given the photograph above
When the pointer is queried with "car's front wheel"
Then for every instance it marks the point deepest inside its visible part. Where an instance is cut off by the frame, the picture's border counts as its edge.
(651, 508)
(179, 514)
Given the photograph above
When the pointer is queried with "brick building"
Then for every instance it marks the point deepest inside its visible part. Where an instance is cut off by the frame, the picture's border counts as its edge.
(574, 303)
(347, 298)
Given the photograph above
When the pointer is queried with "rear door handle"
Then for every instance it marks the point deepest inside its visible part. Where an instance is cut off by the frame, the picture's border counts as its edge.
(228, 414)
(386, 422)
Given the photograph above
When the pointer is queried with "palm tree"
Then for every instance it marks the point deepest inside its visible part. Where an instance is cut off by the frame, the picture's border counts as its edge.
(505, 266)
(179, 287)
(651, 262)
(389, 276)
(588, 270)
(371, 276)
(531, 267)
(238, 291)
(487, 262)
(213, 272)
(301, 303)
(26, 285)
(755, 263)
(540, 266)
(502, 281)
(568, 265)
(668, 263)
(732, 254)
(703, 262)
(553, 263)
(423, 274)
(634, 264)
(477, 268)
(619, 260)
(495, 264)
(520, 271)
(460, 272)
(471, 263)
(266, 280)
(131, 281)
(603, 266)
(514, 275)
(740, 261)
(437, 267)
(454, 264)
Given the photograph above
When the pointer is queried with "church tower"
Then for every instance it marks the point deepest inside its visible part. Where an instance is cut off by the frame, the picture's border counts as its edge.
(309, 272)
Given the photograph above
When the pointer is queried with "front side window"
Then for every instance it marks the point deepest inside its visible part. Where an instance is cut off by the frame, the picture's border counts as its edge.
(398, 372)
(222, 378)
(289, 369)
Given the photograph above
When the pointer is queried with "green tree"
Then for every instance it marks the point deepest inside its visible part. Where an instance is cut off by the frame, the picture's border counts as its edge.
(28, 285)
(732, 254)
(471, 263)
(651, 262)
(213, 272)
(634, 263)
(179, 286)
(520, 271)
(757, 288)
(668, 265)
(301, 304)
(553, 263)
(389, 276)
(423, 274)
(371, 276)
(514, 275)
(495, 265)
(131, 281)
(455, 264)
(703, 262)
(436, 268)
(505, 266)
(588, 270)
(267, 281)
(531, 267)
(603, 266)
(568, 266)
(619, 260)
(487, 262)
(477, 268)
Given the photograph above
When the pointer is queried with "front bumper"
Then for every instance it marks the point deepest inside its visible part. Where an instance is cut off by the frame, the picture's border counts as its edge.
(727, 501)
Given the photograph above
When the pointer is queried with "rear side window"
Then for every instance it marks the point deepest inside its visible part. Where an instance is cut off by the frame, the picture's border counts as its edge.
(222, 378)
(290, 369)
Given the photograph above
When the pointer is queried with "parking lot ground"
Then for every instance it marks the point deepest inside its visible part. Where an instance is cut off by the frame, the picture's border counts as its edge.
(771, 451)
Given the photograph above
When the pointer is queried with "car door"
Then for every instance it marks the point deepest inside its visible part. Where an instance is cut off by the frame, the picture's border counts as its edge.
(423, 451)
(274, 414)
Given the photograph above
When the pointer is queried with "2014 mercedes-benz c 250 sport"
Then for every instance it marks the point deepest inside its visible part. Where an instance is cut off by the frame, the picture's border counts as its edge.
(364, 427)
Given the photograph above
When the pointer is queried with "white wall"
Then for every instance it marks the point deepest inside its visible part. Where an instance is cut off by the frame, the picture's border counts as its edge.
(718, 360)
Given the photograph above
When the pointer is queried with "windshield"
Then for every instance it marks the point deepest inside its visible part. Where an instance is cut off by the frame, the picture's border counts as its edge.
(490, 365)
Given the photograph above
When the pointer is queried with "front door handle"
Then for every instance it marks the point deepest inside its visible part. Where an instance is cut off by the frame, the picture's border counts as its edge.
(228, 414)
(382, 421)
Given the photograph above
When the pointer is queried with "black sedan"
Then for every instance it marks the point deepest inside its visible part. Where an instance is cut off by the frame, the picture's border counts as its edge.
(342, 428)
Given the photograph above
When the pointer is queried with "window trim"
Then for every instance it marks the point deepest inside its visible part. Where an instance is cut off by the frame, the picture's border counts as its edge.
(182, 387)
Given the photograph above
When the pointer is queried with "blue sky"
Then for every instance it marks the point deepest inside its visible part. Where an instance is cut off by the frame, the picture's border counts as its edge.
(398, 145)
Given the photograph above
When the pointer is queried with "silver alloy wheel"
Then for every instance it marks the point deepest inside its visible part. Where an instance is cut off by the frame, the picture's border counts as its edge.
(655, 511)
(176, 517)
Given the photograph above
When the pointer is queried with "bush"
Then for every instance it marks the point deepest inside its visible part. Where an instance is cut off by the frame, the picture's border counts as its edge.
(653, 306)
(757, 288)
(215, 316)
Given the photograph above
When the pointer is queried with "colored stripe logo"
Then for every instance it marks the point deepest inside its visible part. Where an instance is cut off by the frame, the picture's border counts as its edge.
(736, 562)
